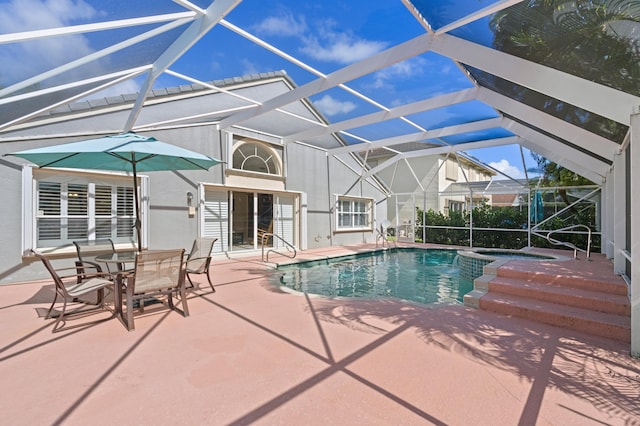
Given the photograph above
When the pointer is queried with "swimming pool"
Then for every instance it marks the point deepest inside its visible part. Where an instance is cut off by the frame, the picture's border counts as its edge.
(425, 276)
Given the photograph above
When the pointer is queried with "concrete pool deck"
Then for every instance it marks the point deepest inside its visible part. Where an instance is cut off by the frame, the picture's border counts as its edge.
(252, 354)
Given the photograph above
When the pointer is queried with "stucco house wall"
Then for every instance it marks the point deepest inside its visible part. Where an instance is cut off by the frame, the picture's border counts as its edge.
(309, 171)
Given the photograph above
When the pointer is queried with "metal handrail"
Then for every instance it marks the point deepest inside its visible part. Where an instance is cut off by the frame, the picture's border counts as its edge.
(382, 235)
(571, 245)
(265, 236)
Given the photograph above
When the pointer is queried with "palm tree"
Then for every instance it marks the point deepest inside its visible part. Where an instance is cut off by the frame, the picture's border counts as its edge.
(598, 40)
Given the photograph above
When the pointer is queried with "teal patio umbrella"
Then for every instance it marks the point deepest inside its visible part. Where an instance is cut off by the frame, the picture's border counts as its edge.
(537, 208)
(128, 152)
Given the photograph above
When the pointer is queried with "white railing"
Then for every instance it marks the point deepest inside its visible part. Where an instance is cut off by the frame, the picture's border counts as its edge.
(382, 234)
(568, 244)
(265, 237)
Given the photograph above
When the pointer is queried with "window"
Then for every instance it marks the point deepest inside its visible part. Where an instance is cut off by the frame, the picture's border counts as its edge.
(79, 207)
(455, 206)
(451, 170)
(257, 157)
(354, 213)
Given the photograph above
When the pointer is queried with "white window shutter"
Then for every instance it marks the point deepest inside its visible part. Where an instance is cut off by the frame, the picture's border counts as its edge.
(216, 218)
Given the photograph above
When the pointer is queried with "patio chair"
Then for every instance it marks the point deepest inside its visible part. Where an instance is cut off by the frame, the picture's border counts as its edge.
(87, 251)
(156, 272)
(199, 259)
(264, 234)
(71, 287)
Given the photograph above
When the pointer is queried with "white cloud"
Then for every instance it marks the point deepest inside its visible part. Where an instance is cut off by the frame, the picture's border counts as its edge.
(249, 67)
(26, 15)
(401, 70)
(330, 106)
(39, 55)
(328, 44)
(505, 167)
(342, 48)
(283, 25)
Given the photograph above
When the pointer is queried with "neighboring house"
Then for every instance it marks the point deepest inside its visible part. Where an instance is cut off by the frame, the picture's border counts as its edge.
(495, 192)
(440, 173)
(296, 191)
(454, 177)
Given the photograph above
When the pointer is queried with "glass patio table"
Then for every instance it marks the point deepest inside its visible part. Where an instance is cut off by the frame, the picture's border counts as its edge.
(117, 258)
(120, 259)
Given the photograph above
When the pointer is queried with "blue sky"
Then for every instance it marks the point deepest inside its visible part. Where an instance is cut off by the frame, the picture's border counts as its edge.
(326, 35)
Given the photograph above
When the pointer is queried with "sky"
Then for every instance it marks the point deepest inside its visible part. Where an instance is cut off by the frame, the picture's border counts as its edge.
(326, 36)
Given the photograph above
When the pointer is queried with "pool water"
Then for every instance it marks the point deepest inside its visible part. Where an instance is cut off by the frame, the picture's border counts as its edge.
(420, 275)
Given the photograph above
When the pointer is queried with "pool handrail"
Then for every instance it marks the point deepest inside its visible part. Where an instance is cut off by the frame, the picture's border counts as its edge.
(382, 234)
(265, 236)
(571, 245)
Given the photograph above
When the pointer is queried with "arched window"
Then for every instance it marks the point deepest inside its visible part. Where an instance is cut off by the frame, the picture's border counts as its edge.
(257, 157)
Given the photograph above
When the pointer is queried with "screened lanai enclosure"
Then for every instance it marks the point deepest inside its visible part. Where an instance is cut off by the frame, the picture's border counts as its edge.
(422, 113)
(495, 215)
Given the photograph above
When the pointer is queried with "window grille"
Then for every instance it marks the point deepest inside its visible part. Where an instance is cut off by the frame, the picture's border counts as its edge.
(354, 213)
(64, 213)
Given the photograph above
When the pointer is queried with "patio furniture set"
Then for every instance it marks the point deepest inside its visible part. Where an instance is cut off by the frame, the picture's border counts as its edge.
(154, 273)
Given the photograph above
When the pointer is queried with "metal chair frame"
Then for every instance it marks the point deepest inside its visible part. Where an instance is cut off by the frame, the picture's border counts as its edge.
(199, 259)
(156, 272)
(71, 287)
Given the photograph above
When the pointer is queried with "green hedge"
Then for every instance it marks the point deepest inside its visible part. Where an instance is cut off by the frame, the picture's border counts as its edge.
(513, 220)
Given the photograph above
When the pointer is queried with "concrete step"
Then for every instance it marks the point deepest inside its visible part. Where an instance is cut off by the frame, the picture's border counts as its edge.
(601, 324)
(562, 294)
(616, 286)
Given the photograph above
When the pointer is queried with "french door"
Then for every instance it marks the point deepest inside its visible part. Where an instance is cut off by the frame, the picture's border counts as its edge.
(243, 220)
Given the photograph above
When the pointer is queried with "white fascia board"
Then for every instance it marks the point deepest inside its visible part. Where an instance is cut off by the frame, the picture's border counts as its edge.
(414, 137)
(351, 72)
(379, 116)
(571, 133)
(602, 100)
(196, 30)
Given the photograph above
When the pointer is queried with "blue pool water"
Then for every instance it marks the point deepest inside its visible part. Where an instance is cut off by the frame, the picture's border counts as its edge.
(424, 276)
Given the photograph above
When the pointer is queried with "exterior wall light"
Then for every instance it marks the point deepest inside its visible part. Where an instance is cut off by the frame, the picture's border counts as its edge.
(192, 210)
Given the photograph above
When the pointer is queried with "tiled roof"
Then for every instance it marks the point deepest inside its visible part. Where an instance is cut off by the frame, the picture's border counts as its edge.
(129, 98)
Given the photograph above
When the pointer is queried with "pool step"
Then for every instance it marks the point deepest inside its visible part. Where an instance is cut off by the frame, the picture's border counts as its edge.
(552, 277)
(570, 295)
(582, 301)
(587, 321)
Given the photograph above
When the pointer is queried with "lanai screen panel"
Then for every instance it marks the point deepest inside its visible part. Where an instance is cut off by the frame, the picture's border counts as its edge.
(595, 40)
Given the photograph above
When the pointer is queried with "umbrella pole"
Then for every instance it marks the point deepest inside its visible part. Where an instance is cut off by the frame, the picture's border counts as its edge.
(138, 224)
